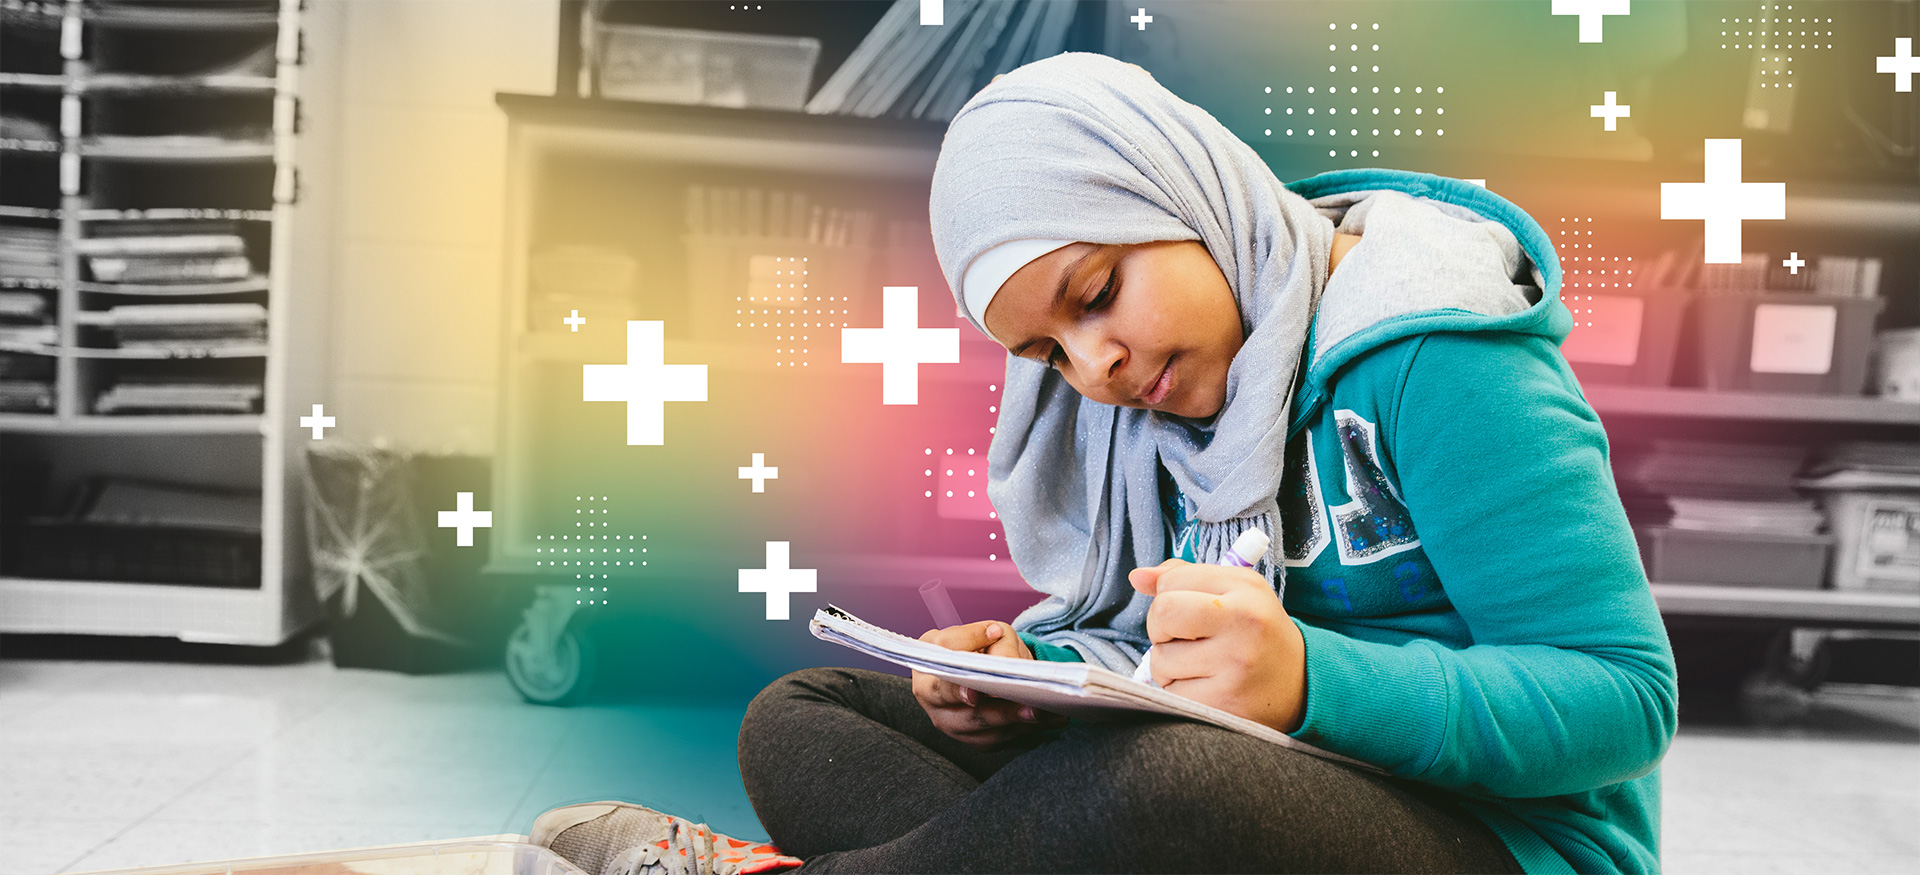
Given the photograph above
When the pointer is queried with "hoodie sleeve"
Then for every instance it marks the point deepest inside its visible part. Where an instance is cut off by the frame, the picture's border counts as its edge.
(1569, 682)
(1049, 651)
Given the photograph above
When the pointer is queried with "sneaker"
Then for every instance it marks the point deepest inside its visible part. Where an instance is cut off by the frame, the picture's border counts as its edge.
(620, 838)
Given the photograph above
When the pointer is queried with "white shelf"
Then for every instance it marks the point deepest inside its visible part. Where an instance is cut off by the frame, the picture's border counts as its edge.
(189, 613)
(228, 352)
(1770, 406)
(160, 149)
(225, 287)
(1846, 607)
(135, 424)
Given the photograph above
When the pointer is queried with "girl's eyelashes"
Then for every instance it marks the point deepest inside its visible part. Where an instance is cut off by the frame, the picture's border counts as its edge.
(1105, 296)
(1100, 300)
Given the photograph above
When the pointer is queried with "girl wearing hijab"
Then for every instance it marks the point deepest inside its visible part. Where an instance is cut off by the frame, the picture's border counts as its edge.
(1452, 592)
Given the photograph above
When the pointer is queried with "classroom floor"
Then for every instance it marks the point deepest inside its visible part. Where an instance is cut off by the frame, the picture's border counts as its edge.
(121, 763)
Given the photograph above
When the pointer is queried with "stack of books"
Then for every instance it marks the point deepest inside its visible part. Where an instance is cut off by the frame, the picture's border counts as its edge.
(1762, 272)
(155, 393)
(191, 329)
(1719, 487)
(1846, 277)
(904, 69)
(29, 253)
(758, 212)
(166, 252)
(25, 320)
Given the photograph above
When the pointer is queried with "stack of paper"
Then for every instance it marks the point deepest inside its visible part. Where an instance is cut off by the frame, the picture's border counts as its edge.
(1075, 689)
(142, 393)
(176, 327)
(29, 252)
(1722, 515)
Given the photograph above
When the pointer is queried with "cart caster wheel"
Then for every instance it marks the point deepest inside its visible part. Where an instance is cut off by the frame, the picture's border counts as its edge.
(560, 673)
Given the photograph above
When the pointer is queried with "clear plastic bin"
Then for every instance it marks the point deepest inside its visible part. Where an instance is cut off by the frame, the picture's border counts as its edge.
(1737, 558)
(1879, 539)
(673, 65)
(492, 855)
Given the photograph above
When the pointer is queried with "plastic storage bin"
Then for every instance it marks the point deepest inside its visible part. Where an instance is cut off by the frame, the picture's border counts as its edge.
(1625, 335)
(1779, 342)
(673, 65)
(1737, 558)
(1896, 364)
(1879, 539)
(489, 856)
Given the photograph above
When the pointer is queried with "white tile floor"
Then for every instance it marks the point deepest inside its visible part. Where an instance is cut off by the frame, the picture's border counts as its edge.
(108, 764)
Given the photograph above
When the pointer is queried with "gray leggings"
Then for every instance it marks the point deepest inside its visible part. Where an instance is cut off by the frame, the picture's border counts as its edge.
(846, 772)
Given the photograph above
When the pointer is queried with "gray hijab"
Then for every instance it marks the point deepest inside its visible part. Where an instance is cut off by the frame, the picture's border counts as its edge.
(1085, 147)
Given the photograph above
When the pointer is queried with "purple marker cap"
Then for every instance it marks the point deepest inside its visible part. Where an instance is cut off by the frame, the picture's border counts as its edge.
(939, 604)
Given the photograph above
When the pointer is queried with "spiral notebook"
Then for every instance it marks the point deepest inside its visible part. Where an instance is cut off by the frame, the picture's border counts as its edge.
(1075, 689)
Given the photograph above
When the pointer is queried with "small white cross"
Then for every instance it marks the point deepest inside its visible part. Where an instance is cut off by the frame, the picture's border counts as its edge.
(932, 11)
(1793, 264)
(759, 473)
(900, 345)
(575, 321)
(1613, 113)
(1723, 201)
(1142, 18)
(465, 518)
(777, 580)
(645, 382)
(1902, 64)
(319, 422)
(1590, 12)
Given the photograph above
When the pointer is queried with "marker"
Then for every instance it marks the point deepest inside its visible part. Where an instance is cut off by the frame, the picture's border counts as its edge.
(939, 604)
(1247, 550)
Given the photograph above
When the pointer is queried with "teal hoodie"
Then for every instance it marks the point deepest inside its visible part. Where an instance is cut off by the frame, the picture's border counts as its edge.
(1457, 559)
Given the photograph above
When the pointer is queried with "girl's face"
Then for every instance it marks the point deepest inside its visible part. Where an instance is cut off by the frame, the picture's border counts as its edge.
(1147, 325)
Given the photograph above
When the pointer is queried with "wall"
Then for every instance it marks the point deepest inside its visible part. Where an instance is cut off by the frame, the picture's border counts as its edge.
(416, 273)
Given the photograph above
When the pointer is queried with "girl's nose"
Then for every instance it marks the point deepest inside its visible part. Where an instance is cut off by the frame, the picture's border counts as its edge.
(1097, 357)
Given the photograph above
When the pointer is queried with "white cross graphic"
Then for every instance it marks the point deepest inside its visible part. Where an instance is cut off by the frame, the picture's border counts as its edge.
(1793, 264)
(645, 382)
(575, 321)
(319, 422)
(1590, 12)
(1142, 18)
(759, 473)
(465, 518)
(932, 11)
(1902, 64)
(1610, 111)
(1723, 201)
(900, 345)
(777, 580)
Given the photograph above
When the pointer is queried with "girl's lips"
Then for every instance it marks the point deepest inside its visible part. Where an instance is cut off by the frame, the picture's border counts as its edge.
(1161, 387)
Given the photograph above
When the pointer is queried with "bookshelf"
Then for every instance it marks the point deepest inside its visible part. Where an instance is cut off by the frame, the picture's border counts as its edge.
(187, 124)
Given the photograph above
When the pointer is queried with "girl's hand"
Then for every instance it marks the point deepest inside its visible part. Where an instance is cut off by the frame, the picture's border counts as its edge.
(1221, 638)
(968, 715)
